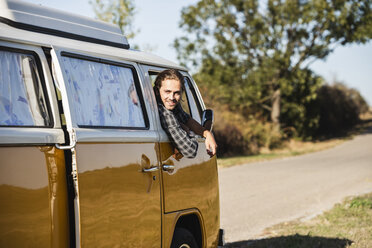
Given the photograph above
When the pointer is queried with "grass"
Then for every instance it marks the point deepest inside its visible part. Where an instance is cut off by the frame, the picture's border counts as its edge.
(350, 221)
(348, 224)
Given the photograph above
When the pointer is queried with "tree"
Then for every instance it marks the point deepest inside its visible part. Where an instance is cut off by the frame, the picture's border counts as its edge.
(255, 55)
(119, 12)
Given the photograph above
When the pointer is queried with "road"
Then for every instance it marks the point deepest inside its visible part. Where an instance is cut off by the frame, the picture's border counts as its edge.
(258, 195)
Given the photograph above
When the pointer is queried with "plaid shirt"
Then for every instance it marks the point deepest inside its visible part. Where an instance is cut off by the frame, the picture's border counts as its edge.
(170, 121)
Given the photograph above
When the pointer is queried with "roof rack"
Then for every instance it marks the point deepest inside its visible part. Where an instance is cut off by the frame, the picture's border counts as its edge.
(41, 19)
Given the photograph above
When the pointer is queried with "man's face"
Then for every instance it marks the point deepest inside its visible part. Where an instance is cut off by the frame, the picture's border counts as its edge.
(170, 93)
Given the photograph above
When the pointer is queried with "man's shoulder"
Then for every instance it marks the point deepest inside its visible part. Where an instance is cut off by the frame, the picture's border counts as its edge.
(167, 117)
(164, 111)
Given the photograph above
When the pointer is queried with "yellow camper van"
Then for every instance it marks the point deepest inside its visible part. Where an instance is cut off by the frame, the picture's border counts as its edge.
(84, 161)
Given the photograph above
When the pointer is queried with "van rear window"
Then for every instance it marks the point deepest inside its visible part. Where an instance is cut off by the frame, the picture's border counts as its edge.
(22, 101)
(103, 94)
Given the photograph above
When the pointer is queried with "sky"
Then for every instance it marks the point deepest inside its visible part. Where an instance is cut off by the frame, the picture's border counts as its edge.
(157, 22)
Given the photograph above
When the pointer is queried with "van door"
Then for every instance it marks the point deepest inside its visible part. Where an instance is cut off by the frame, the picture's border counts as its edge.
(189, 184)
(117, 176)
(33, 191)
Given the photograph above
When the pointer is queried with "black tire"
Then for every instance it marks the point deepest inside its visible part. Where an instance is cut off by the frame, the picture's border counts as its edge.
(183, 238)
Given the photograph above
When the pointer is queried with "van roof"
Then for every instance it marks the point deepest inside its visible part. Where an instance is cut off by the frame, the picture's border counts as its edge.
(46, 20)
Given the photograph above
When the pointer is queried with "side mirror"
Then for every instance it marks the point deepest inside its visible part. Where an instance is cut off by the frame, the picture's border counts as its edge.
(208, 119)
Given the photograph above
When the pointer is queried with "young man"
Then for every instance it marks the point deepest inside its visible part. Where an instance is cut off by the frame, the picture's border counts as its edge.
(169, 86)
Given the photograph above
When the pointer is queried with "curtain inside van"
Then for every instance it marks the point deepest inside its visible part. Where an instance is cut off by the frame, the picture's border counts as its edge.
(22, 101)
(101, 94)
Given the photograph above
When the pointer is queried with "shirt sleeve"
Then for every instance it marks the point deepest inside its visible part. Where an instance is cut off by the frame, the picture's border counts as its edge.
(186, 144)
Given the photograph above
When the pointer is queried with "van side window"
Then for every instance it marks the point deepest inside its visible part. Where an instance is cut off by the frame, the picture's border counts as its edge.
(103, 94)
(22, 100)
(185, 102)
(194, 106)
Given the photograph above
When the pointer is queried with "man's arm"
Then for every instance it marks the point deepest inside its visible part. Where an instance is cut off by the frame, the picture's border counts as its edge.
(210, 142)
(189, 123)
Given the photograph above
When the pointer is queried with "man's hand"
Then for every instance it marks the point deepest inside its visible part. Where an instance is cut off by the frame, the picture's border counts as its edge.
(177, 155)
(210, 143)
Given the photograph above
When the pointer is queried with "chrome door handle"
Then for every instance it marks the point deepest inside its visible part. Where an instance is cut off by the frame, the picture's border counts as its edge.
(168, 167)
(149, 170)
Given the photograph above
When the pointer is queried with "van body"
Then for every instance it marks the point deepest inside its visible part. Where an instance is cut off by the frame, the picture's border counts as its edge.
(84, 161)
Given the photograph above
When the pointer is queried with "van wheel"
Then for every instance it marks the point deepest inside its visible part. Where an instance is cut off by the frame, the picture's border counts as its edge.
(183, 238)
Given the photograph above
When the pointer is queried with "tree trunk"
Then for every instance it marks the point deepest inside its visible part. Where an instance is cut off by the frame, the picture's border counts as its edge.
(275, 109)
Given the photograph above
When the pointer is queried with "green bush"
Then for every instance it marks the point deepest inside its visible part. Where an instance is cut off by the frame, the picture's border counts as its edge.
(239, 136)
(339, 109)
(230, 141)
